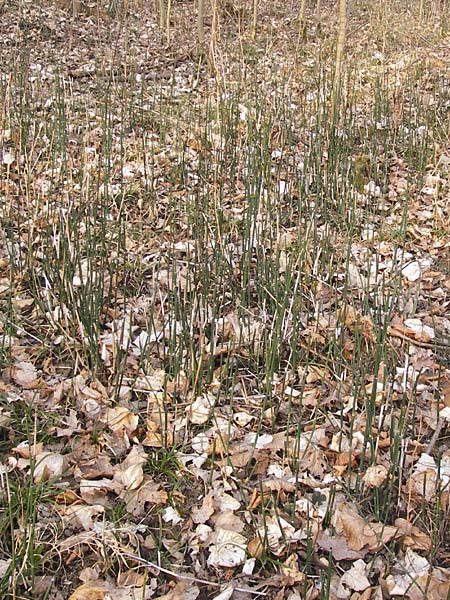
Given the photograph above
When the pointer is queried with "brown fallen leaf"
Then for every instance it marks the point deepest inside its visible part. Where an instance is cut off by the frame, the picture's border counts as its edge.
(359, 533)
(80, 516)
(354, 321)
(120, 418)
(356, 577)
(375, 476)
(131, 578)
(291, 574)
(149, 493)
(422, 484)
(338, 546)
(49, 465)
(130, 473)
(183, 590)
(91, 590)
(203, 513)
(26, 451)
(412, 537)
(25, 375)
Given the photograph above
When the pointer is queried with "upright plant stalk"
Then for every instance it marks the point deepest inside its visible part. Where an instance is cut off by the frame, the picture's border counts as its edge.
(302, 21)
(339, 56)
(255, 18)
(318, 9)
(162, 13)
(214, 29)
(420, 12)
(201, 25)
(443, 16)
(169, 2)
(75, 8)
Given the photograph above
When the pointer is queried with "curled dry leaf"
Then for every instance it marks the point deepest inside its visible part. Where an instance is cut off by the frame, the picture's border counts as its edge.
(96, 491)
(153, 437)
(131, 578)
(171, 515)
(81, 516)
(48, 465)
(413, 270)
(202, 514)
(375, 476)
(276, 533)
(5, 417)
(356, 577)
(102, 590)
(225, 502)
(225, 594)
(120, 418)
(422, 484)
(183, 590)
(4, 566)
(26, 451)
(355, 321)
(228, 520)
(130, 474)
(255, 547)
(338, 546)
(131, 477)
(228, 549)
(25, 375)
(412, 537)
(200, 410)
(149, 493)
(243, 418)
(290, 571)
(361, 535)
(91, 590)
(410, 577)
(421, 331)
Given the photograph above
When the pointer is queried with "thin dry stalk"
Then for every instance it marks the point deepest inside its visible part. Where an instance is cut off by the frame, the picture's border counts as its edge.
(168, 7)
(342, 32)
(162, 14)
(255, 18)
(302, 21)
(420, 12)
(201, 25)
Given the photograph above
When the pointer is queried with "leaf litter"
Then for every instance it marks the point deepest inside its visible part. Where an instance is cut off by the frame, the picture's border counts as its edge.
(165, 453)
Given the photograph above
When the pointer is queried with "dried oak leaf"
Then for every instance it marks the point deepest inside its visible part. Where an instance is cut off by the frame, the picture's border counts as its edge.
(414, 578)
(96, 491)
(102, 590)
(423, 484)
(81, 516)
(205, 512)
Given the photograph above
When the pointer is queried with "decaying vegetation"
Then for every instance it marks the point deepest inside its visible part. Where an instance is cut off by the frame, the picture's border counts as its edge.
(224, 300)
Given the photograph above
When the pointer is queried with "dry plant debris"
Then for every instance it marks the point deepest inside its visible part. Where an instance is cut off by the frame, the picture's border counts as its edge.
(225, 319)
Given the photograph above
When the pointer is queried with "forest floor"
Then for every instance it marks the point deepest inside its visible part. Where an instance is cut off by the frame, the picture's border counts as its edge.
(224, 304)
